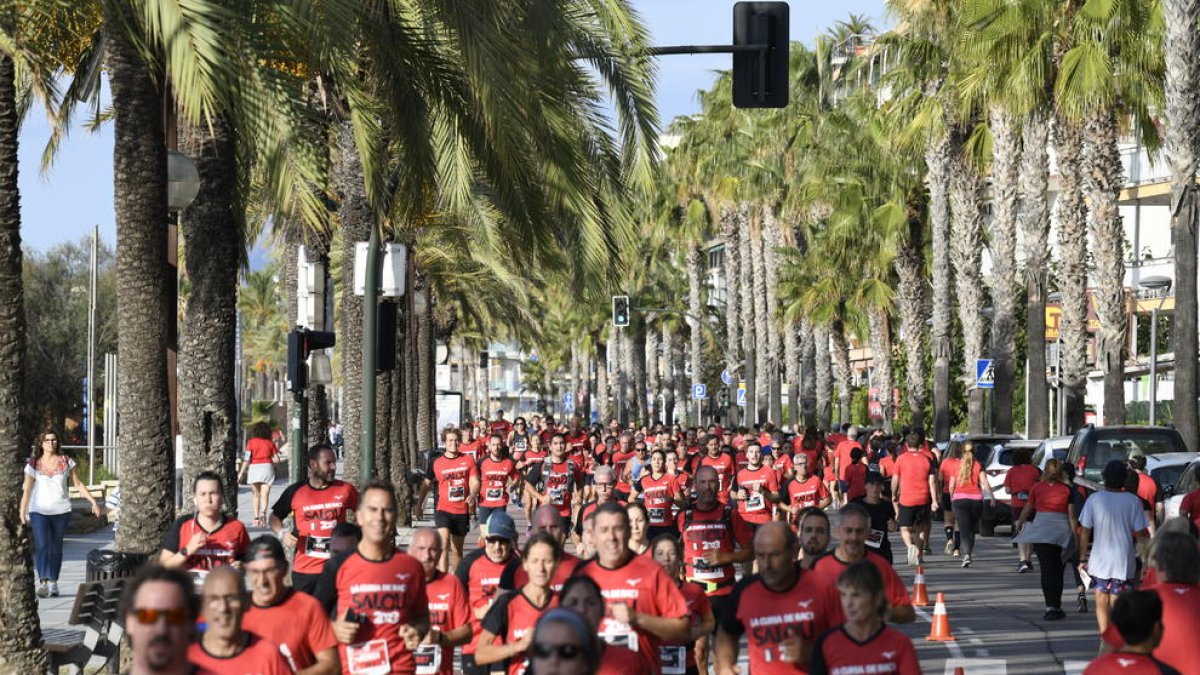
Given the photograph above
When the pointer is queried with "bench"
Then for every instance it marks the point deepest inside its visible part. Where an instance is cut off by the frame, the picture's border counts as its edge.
(98, 645)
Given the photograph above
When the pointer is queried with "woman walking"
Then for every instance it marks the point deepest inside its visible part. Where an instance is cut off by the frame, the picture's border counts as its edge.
(1048, 523)
(968, 488)
(947, 470)
(258, 467)
(46, 507)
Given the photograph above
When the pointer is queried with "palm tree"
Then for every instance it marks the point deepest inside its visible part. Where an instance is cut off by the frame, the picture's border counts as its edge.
(1006, 159)
(966, 248)
(1035, 227)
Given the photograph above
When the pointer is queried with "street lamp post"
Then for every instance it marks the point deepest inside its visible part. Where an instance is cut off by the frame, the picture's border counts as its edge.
(1059, 399)
(1155, 283)
(183, 184)
(988, 313)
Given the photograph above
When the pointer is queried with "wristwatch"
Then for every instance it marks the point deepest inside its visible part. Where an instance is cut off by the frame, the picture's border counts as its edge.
(185, 552)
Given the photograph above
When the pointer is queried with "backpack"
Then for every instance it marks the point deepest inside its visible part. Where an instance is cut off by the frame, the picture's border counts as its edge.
(547, 468)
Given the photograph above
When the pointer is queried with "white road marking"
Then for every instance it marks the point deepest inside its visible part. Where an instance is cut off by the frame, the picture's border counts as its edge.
(1074, 667)
(977, 666)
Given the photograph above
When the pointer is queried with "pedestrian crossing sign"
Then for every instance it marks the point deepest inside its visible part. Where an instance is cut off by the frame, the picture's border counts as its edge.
(741, 394)
(985, 374)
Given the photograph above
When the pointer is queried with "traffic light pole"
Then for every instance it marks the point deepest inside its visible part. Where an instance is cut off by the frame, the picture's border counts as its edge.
(299, 432)
(369, 338)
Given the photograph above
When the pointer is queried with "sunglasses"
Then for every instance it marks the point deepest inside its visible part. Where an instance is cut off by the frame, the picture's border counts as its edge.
(563, 652)
(176, 616)
(498, 540)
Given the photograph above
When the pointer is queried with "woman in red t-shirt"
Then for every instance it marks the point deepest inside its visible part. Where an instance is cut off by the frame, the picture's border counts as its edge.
(507, 628)
(258, 467)
(680, 655)
(968, 488)
(1051, 532)
(864, 643)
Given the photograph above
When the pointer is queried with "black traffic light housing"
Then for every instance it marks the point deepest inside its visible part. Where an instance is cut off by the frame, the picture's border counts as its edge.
(301, 343)
(760, 76)
(620, 310)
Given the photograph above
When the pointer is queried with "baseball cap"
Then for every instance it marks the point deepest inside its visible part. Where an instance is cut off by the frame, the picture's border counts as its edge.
(500, 524)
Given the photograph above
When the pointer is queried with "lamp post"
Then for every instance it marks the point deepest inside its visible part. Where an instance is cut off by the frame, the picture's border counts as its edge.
(1059, 400)
(1155, 283)
(183, 184)
(988, 313)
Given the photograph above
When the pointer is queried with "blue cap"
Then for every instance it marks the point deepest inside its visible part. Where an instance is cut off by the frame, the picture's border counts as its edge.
(500, 524)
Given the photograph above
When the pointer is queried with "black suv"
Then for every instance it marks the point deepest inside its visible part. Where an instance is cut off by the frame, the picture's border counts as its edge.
(1093, 447)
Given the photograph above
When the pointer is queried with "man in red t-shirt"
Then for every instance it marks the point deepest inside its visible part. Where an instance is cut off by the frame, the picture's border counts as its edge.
(781, 610)
(497, 475)
(1139, 618)
(842, 460)
(721, 460)
(757, 488)
(558, 480)
(284, 616)
(805, 490)
(621, 455)
(1147, 491)
(482, 573)
(457, 479)
(450, 616)
(854, 526)
(203, 541)
(914, 485)
(500, 425)
(645, 607)
(224, 647)
(376, 593)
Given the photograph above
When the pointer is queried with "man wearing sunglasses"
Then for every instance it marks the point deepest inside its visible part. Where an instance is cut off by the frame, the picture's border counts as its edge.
(225, 647)
(481, 571)
(160, 620)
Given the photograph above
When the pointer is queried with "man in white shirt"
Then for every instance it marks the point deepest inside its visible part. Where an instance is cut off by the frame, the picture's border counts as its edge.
(1108, 519)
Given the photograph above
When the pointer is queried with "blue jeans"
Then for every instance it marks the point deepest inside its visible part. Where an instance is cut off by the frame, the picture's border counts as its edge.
(48, 533)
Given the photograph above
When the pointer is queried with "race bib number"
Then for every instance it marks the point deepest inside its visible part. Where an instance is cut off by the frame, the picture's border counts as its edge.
(674, 660)
(703, 571)
(556, 495)
(317, 547)
(755, 502)
(620, 635)
(494, 494)
(875, 539)
(429, 659)
(369, 658)
(657, 515)
(458, 493)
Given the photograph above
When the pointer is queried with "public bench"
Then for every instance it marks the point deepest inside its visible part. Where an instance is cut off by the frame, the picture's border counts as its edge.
(98, 645)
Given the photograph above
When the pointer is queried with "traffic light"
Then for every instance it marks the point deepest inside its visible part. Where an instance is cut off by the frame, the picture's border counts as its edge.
(301, 343)
(620, 310)
(760, 77)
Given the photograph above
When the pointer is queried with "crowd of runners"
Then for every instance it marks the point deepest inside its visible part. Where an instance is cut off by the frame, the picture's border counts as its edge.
(652, 550)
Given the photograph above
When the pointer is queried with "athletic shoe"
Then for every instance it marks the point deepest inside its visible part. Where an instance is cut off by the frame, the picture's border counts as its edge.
(949, 546)
(43, 589)
(914, 556)
(1024, 567)
(966, 561)
(1054, 614)
(54, 589)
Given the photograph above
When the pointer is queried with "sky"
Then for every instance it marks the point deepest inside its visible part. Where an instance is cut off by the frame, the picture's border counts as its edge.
(63, 203)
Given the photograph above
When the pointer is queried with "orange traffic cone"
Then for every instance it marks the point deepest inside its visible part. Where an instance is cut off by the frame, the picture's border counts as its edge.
(940, 630)
(920, 596)
(960, 671)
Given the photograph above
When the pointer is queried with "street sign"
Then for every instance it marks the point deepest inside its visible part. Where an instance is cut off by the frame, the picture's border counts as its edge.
(568, 402)
(699, 391)
(726, 377)
(741, 394)
(985, 374)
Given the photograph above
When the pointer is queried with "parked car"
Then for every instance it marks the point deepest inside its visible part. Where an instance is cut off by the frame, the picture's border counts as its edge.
(996, 465)
(1051, 448)
(1173, 494)
(1093, 447)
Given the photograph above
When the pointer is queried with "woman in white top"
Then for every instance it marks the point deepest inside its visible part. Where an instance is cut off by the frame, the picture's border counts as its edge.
(46, 506)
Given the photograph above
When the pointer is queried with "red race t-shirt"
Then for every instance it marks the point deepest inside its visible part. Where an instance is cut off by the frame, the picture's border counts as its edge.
(318, 511)
(619, 459)
(657, 495)
(558, 481)
(677, 657)
(808, 492)
(810, 607)
(494, 477)
(1181, 625)
(1147, 489)
(298, 624)
(645, 588)
(618, 660)
(261, 657)
(970, 486)
(723, 463)
(887, 466)
(473, 448)
(1122, 663)
(1190, 507)
(224, 545)
(261, 450)
(829, 567)
(914, 470)
(856, 481)
(502, 427)
(716, 529)
(1019, 482)
(384, 594)
(453, 476)
(1050, 497)
(510, 619)
(947, 470)
(756, 508)
(782, 463)
(842, 453)
(448, 609)
(888, 651)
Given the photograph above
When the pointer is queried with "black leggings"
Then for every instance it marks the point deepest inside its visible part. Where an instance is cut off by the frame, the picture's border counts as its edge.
(1050, 560)
(967, 514)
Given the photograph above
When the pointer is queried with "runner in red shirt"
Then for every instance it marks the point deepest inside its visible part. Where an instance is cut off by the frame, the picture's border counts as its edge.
(508, 625)
(675, 656)
(546, 519)
(780, 609)
(722, 461)
(855, 476)
(1019, 481)
(1147, 490)
(457, 479)
(864, 644)
(757, 489)
(621, 454)
(914, 482)
(205, 540)
(225, 647)
(854, 526)
(947, 470)
(319, 504)
(535, 455)
(450, 617)
(376, 593)
(1139, 619)
(497, 475)
(579, 443)
(804, 491)
(659, 492)
(500, 425)
(602, 485)
(482, 572)
(558, 480)
(472, 443)
(284, 616)
(841, 457)
(644, 605)
(781, 461)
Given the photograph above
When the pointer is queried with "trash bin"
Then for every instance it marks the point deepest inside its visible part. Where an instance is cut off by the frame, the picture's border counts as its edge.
(104, 564)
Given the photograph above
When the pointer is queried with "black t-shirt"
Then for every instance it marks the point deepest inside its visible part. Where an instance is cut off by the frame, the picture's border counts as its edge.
(881, 514)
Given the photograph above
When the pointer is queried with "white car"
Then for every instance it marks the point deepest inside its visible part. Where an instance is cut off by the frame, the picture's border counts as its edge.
(1174, 493)
(996, 463)
(1051, 448)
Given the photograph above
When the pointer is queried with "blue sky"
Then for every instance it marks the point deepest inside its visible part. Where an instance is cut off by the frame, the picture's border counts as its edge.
(76, 193)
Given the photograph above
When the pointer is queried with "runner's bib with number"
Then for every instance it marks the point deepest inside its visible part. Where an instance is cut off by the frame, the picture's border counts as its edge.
(369, 658)
(620, 635)
(755, 502)
(429, 659)
(674, 660)
(875, 538)
(457, 493)
(317, 547)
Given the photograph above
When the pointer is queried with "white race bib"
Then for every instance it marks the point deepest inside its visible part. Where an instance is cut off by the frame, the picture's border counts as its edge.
(674, 660)
(429, 659)
(494, 494)
(369, 658)
(755, 501)
(457, 493)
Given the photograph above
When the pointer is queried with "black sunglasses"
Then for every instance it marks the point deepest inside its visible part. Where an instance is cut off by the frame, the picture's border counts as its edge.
(564, 652)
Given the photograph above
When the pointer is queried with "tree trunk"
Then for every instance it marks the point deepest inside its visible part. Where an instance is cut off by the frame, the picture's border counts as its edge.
(912, 302)
(937, 178)
(824, 376)
(746, 310)
(144, 311)
(670, 363)
(426, 375)
(841, 368)
(1006, 160)
(637, 367)
(966, 253)
(385, 452)
(355, 215)
(732, 221)
(653, 376)
(1073, 273)
(695, 270)
(791, 353)
(772, 239)
(1182, 134)
(1103, 178)
(762, 324)
(602, 387)
(213, 235)
(20, 627)
(881, 346)
(1035, 226)
(808, 373)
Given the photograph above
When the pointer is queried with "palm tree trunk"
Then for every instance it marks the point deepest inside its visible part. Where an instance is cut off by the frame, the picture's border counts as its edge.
(762, 325)
(772, 240)
(746, 310)
(637, 366)
(355, 215)
(966, 253)
(653, 377)
(602, 380)
(791, 361)
(912, 301)
(937, 161)
(426, 373)
(841, 367)
(808, 373)
(1182, 130)
(670, 363)
(385, 451)
(1035, 226)
(213, 236)
(143, 307)
(1073, 273)
(1006, 159)
(881, 347)
(1103, 179)
(731, 226)
(20, 631)
(824, 376)
(695, 269)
